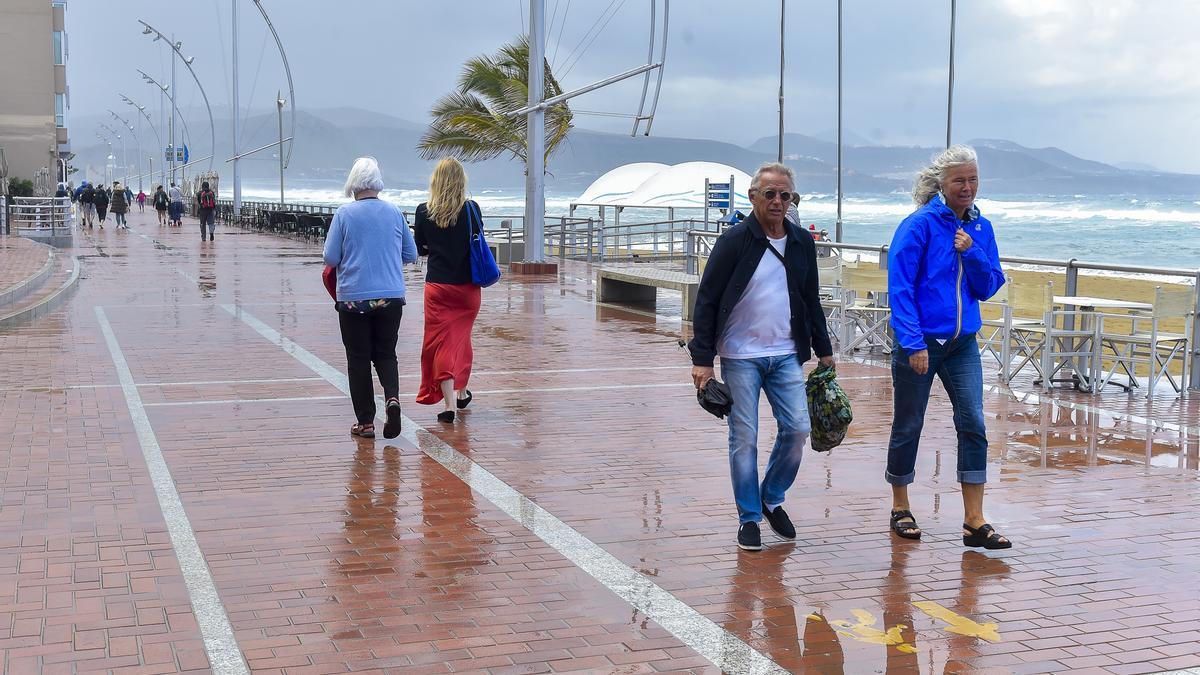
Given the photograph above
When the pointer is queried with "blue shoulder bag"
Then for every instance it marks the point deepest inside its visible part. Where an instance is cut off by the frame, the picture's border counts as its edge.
(484, 270)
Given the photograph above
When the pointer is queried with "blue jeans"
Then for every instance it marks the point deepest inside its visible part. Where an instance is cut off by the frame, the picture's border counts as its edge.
(957, 365)
(782, 378)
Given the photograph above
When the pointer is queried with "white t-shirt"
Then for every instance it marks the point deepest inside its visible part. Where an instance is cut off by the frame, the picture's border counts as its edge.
(761, 322)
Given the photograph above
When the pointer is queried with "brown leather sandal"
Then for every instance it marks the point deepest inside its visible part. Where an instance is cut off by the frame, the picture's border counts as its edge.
(363, 430)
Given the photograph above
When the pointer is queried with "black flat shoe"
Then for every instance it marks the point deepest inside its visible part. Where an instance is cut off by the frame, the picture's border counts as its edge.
(466, 401)
(905, 525)
(391, 428)
(984, 536)
(446, 416)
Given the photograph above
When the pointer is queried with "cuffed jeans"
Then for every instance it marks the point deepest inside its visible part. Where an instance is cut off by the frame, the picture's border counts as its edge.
(371, 338)
(782, 379)
(957, 365)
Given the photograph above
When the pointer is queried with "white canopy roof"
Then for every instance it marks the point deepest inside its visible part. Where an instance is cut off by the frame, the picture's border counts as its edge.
(652, 184)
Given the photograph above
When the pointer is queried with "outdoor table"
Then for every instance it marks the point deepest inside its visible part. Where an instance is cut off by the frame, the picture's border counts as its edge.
(1082, 369)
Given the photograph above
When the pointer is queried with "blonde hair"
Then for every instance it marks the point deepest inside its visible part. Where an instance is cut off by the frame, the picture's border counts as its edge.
(447, 192)
(928, 180)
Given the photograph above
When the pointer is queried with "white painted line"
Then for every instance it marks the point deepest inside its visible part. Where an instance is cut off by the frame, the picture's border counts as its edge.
(220, 644)
(722, 648)
(238, 401)
(205, 382)
(166, 384)
(599, 387)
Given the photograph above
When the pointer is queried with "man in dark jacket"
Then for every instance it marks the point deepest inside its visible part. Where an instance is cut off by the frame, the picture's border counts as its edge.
(758, 308)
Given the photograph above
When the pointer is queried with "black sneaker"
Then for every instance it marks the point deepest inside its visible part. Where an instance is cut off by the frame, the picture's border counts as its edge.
(779, 522)
(748, 537)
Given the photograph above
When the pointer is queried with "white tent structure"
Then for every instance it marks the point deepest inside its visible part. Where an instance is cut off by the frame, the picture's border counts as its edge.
(653, 185)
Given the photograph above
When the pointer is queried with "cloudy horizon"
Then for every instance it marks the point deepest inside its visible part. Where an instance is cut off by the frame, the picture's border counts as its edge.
(1118, 83)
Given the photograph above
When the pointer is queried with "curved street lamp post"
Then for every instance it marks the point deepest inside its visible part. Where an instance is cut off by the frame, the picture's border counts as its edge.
(187, 134)
(187, 61)
(158, 139)
(138, 141)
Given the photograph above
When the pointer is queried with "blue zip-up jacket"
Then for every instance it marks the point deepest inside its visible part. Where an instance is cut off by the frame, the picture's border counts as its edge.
(934, 292)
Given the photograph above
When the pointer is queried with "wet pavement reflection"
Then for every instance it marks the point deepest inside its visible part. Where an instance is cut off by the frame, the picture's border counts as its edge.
(331, 554)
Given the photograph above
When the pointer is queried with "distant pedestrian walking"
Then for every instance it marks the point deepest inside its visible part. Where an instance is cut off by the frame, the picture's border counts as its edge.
(368, 243)
(759, 309)
(87, 204)
(176, 197)
(443, 232)
(119, 205)
(161, 203)
(206, 201)
(141, 201)
(942, 263)
(101, 201)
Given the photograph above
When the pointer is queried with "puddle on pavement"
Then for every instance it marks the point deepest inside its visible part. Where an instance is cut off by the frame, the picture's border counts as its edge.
(1054, 436)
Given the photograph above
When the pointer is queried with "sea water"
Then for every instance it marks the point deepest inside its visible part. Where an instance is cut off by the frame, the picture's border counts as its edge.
(1117, 229)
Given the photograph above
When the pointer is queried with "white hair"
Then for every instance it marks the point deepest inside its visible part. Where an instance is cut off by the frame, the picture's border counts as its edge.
(929, 180)
(364, 175)
(776, 168)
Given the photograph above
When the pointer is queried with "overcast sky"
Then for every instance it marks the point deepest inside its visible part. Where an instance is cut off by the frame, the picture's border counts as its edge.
(1113, 80)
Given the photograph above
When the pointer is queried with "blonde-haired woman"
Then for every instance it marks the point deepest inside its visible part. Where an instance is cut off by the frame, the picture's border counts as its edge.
(443, 232)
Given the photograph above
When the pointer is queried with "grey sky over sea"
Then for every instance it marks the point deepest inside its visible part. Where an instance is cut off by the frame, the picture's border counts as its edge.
(1117, 81)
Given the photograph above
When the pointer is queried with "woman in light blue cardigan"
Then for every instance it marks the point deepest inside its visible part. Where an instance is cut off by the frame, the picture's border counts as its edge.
(369, 241)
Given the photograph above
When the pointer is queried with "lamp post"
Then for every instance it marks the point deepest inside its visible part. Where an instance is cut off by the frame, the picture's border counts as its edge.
(136, 139)
(107, 159)
(124, 155)
(187, 61)
(187, 134)
(950, 84)
(279, 103)
(142, 110)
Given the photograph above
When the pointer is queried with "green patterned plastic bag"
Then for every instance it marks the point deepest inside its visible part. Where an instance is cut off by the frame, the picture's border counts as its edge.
(828, 409)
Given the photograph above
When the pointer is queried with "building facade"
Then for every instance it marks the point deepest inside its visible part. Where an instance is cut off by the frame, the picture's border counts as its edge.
(34, 99)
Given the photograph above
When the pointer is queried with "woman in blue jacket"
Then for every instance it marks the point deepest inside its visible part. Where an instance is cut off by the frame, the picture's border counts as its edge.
(943, 261)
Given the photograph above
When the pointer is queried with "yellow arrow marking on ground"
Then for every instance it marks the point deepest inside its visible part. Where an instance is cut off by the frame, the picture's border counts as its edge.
(960, 624)
(864, 631)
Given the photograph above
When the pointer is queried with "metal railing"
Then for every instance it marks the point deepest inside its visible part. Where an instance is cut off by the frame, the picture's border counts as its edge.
(52, 216)
(700, 244)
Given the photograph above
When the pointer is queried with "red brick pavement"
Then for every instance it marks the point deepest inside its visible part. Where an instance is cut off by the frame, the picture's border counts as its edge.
(331, 555)
(20, 259)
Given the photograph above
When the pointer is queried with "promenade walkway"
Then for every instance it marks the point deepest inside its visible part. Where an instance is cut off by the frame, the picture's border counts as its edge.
(180, 494)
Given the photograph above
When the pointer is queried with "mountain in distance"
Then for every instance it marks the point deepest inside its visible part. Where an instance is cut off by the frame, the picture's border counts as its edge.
(328, 140)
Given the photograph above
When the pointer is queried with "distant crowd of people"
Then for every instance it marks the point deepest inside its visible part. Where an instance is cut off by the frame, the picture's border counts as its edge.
(94, 202)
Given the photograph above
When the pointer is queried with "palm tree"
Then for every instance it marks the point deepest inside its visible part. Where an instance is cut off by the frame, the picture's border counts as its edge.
(471, 123)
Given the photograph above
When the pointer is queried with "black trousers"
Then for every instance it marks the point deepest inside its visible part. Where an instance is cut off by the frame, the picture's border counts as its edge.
(371, 338)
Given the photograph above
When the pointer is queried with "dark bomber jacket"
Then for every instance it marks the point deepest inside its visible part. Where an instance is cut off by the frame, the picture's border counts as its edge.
(734, 259)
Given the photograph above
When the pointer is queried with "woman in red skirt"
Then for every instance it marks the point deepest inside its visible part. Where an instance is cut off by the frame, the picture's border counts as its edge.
(443, 232)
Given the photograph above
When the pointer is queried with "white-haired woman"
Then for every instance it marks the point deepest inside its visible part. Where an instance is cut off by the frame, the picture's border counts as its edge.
(942, 263)
(369, 242)
(443, 232)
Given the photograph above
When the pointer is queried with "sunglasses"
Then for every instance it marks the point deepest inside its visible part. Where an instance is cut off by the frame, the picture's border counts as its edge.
(772, 194)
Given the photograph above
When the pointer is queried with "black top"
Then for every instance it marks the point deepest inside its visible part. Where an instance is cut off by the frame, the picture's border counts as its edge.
(733, 260)
(448, 248)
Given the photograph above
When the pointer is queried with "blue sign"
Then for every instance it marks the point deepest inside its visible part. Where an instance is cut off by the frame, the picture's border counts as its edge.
(717, 204)
(718, 195)
(185, 153)
(718, 186)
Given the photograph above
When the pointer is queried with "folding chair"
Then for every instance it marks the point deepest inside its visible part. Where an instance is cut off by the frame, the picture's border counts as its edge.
(1017, 337)
(1073, 346)
(1155, 348)
(864, 310)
